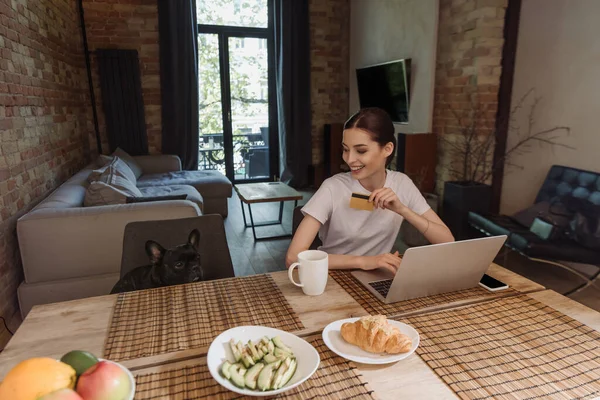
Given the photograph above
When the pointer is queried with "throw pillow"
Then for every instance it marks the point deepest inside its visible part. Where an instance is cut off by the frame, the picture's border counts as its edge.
(156, 198)
(103, 160)
(135, 167)
(118, 166)
(103, 194)
(117, 174)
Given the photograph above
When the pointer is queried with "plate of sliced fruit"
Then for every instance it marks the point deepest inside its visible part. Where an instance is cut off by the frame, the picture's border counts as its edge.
(260, 361)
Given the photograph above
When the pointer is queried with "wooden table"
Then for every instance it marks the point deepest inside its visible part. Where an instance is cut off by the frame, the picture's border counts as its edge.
(265, 192)
(54, 329)
(409, 379)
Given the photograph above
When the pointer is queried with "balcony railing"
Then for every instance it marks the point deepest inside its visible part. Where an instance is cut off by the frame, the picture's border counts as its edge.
(211, 154)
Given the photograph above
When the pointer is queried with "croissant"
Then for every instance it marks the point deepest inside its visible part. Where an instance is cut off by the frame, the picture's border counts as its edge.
(375, 335)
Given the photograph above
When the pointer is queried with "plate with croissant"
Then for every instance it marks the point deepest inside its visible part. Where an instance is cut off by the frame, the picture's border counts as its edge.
(371, 340)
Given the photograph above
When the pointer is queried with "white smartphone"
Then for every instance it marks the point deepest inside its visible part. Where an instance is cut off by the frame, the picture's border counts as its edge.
(492, 284)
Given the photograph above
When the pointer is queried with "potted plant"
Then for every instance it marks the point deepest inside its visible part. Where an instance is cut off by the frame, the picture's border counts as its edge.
(469, 158)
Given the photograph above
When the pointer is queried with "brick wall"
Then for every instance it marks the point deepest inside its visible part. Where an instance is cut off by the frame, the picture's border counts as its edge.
(128, 24)
(44, 120)
(330, 53)
(469, 55)
(133, 24)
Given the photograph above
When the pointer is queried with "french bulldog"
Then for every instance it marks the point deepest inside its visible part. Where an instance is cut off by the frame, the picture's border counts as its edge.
(174, 266)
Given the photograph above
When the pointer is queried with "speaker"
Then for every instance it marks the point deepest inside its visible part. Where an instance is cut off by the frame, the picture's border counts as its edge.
(416, 156)
(332, 152)
(333, 162)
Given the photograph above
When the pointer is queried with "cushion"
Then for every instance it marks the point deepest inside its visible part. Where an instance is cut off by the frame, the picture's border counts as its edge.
(112, 186)
(102, 194)
(174, 190)
(119, 166)
(208, 183)
(103, 160)
(156, 198)
(135, 167)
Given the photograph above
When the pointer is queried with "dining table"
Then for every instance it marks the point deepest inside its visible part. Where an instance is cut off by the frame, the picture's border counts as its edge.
(52, 330)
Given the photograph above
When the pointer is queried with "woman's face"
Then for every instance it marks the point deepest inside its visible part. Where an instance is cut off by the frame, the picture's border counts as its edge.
(363, 155)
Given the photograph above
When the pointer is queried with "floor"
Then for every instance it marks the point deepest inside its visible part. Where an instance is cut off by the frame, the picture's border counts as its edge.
(267, 256)
(250, 257)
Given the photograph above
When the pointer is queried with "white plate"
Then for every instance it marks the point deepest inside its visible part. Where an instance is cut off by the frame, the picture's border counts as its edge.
(307, 356)
(333, 339)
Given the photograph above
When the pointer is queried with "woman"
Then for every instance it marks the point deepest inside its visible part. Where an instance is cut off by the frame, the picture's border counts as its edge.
(357, 238)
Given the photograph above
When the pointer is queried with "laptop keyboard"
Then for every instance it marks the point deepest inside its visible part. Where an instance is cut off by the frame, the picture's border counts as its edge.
(382, 287)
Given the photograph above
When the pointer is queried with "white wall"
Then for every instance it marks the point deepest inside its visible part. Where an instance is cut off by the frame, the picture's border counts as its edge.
(558, 54)
(386, 30)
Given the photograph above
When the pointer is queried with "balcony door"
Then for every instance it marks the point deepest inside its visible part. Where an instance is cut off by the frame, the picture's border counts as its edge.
(236, 96)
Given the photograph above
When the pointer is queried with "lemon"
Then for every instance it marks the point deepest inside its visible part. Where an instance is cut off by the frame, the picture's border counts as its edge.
(79, 360)
(36, 377)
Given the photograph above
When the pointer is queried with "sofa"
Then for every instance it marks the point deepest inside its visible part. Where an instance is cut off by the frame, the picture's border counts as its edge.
(69, 251)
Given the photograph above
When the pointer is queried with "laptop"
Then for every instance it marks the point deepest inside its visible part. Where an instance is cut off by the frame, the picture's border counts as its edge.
(434, 269)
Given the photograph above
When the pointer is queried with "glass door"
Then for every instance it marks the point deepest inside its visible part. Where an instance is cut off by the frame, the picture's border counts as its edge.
(235, 103)
(249, 93)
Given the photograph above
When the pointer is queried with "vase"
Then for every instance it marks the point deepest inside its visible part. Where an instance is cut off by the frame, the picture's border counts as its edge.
(460, 197)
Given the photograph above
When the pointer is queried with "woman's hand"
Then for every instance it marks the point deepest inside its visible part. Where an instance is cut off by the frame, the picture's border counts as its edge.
(386, 198)
(389, 261)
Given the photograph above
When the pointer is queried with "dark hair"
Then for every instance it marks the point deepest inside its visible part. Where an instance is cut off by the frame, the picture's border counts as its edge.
(379, 125)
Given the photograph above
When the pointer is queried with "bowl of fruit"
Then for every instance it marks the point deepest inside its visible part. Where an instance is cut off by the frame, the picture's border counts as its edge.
(78, 375)
(260, 361)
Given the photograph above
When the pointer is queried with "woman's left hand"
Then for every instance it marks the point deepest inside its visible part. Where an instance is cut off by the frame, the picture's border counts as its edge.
(386, 198)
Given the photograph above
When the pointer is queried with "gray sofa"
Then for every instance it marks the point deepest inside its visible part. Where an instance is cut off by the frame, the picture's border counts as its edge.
(69, 251)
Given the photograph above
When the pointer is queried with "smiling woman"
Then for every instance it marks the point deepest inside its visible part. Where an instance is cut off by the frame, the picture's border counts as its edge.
(359, 238)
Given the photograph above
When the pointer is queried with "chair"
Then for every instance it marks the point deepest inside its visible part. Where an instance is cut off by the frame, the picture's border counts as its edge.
(297, 217)
(214, 252)
(257, 162)
(560, 181)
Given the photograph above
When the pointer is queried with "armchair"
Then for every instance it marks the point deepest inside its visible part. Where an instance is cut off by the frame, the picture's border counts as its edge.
(561, 181)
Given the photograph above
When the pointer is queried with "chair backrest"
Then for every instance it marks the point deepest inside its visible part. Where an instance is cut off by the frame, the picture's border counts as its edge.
(258, 162)
(297, 217)
(214, 252)
(562, 181)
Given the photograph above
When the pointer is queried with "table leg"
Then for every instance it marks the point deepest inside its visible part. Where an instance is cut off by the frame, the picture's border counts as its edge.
(253, 224)
(280, 211)
(243, 213)
(252, 221)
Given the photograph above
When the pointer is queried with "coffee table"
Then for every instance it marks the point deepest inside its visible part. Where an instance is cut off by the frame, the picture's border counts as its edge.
(265, 192)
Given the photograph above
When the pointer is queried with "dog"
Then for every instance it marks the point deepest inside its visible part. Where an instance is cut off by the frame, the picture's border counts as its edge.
(174, 266)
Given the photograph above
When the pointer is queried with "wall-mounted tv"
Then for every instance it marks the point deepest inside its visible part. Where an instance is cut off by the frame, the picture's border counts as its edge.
(386, 86)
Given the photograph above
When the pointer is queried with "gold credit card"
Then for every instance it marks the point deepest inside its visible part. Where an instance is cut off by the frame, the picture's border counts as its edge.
(361, 202)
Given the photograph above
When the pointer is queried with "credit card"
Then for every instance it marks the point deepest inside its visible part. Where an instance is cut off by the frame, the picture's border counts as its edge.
(361, 202)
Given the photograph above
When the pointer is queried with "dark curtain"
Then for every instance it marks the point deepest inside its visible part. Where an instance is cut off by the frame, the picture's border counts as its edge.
(120, 84)
(178, 35)
(292, 75)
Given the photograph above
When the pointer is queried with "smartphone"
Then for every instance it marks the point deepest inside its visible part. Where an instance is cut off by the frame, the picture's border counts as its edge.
(492, 284)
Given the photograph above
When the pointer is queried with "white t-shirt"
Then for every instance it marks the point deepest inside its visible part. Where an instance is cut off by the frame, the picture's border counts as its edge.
(346, 230)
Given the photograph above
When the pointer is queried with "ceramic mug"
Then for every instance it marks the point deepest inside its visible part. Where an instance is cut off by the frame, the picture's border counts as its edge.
(313, 268)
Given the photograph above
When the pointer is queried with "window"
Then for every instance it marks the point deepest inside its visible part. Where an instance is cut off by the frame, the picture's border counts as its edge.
(235, 105)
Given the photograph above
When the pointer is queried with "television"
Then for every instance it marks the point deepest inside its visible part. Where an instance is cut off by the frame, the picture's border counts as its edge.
(386, 86)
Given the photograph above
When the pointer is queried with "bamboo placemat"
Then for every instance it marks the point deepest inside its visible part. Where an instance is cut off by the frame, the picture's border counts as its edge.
(511, 348)
(163, 320)
(374, 306)
(336, 378)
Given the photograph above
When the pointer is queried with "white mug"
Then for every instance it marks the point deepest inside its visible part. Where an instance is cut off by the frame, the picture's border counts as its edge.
(313, 268)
